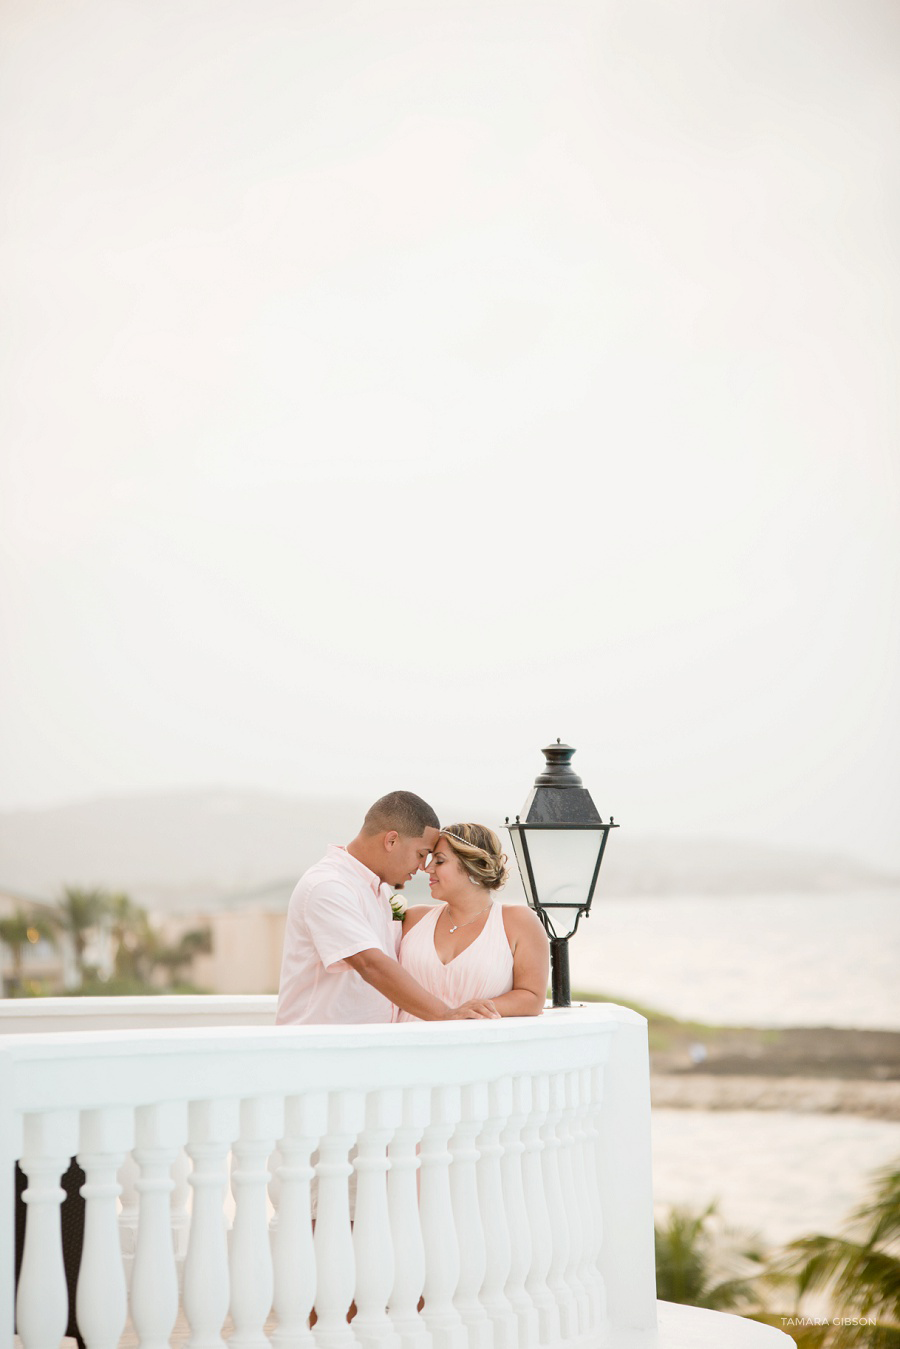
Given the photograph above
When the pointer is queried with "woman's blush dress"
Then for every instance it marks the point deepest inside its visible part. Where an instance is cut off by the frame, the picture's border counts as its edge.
(482, 970)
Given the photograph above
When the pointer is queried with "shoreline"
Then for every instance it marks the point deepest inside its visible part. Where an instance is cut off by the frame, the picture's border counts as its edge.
(794, 1095)
(803, 1070)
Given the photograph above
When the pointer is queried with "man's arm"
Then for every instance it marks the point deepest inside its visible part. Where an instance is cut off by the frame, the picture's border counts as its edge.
(392, 980)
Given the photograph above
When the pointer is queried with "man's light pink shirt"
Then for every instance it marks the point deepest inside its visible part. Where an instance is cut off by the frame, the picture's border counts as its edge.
(338, 907)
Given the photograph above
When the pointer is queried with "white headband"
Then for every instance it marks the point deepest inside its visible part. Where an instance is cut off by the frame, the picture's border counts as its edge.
(464, 841)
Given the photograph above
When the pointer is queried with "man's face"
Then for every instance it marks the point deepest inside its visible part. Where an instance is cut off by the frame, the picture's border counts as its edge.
(406, 856)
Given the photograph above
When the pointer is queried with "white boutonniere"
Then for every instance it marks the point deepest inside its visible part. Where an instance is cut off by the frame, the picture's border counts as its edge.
(398, 907)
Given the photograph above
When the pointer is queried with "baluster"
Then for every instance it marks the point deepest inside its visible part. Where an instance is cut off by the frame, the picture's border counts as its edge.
(179, 1215)
(467, 1216)
(159, 1131)
(559, 1225)
(595, 1106)
(101, 1302)
(512, 1171)
(493, 1216)
(538, 1213)
(587, 1139)
(212, 1126)
(372, 1244)
(10, 1147)
(276, 1162)
(250, 1263)
(573, 1199)
(335, 1264)
(42, 1304)
(406, 1230)
(294, 1260)
(438, 1229)
(129, 1172)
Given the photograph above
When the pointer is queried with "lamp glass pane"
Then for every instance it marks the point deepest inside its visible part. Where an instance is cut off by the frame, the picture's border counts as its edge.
(563, 861)
(563, 920)
(523, 870)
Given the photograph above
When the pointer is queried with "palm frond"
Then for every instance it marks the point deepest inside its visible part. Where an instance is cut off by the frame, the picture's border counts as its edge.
(818, 1262)
(884, 1208)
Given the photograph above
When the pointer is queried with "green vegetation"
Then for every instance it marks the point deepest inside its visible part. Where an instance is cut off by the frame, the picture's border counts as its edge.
(17, 932)
(856, 1273)
(79, 914)
(114, 946)
(859, 1270)
(702, 1267)
(662, 1028)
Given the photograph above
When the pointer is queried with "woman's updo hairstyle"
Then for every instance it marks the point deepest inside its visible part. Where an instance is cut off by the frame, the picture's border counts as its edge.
(477, 849)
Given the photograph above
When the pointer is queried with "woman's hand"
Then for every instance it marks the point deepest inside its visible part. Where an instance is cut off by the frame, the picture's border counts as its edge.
(478, 1009)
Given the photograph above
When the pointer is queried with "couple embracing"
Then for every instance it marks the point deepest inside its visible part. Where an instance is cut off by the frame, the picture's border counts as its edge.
(347, 960)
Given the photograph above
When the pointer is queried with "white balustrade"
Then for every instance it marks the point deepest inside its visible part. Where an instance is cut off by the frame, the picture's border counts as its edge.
(335, 1263)
(373, 1246)
(250, 1262)
(515, 1205)
(496, 1227)
(179, 1203)
(129, 1173)
(536, 1284)
(159, 1133)
(442, 1260)
(42, 1307)
(571, 1189)
(294, 1258)
(467, 1216)
(213, 1125)
(560, 1243)
(101, 1304)
(585, 1142)
(406, 1230)
(489, 1160)
(594, 1166)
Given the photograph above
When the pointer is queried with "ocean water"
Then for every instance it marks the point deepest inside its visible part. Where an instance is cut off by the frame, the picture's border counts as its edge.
(767, 960)
(772, 1173)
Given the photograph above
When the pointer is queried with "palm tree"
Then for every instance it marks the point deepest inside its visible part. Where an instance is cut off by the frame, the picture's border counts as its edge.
(78, 913)
(19, 930)
(134, 940)
(698, 1266)
(198, 941)
(860, 1269)
(138, 947)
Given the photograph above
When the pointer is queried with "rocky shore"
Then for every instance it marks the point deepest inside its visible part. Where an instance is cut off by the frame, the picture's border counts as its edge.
(806, 1070)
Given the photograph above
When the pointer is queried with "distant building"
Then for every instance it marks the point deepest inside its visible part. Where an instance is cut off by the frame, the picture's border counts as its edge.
(43, 962)
(246, 948)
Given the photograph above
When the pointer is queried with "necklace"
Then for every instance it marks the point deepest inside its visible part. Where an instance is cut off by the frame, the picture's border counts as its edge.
(454, 926)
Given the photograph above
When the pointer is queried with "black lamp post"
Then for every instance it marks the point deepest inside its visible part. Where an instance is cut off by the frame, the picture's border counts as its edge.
(559, 840)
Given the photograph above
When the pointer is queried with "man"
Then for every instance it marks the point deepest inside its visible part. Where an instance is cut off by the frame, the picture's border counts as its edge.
(341, 941)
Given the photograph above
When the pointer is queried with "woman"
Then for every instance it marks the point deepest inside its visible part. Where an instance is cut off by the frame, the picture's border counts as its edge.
(467, 948)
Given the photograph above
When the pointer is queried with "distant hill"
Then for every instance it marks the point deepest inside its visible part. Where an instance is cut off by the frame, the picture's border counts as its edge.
(206, 849)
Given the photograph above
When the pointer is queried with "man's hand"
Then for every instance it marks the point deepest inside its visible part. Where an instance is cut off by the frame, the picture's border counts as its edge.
(477, 1009)
(402, 989)
(397, 985)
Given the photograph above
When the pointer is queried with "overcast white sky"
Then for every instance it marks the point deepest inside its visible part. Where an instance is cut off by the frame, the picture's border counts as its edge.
(391, 388)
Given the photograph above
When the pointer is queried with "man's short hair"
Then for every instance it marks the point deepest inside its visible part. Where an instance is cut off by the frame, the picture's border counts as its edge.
(403, 811)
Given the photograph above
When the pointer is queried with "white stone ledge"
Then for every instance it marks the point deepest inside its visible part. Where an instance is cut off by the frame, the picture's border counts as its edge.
(680, 1327)
(29, 1016)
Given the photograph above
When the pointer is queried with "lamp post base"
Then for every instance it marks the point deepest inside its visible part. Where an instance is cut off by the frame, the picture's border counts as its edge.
(559, 972)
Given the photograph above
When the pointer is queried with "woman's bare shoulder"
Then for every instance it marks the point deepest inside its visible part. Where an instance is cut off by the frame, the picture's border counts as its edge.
(521, 921)
(414, 914)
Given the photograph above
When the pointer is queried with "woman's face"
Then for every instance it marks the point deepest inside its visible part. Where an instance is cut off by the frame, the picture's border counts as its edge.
(446, 874)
